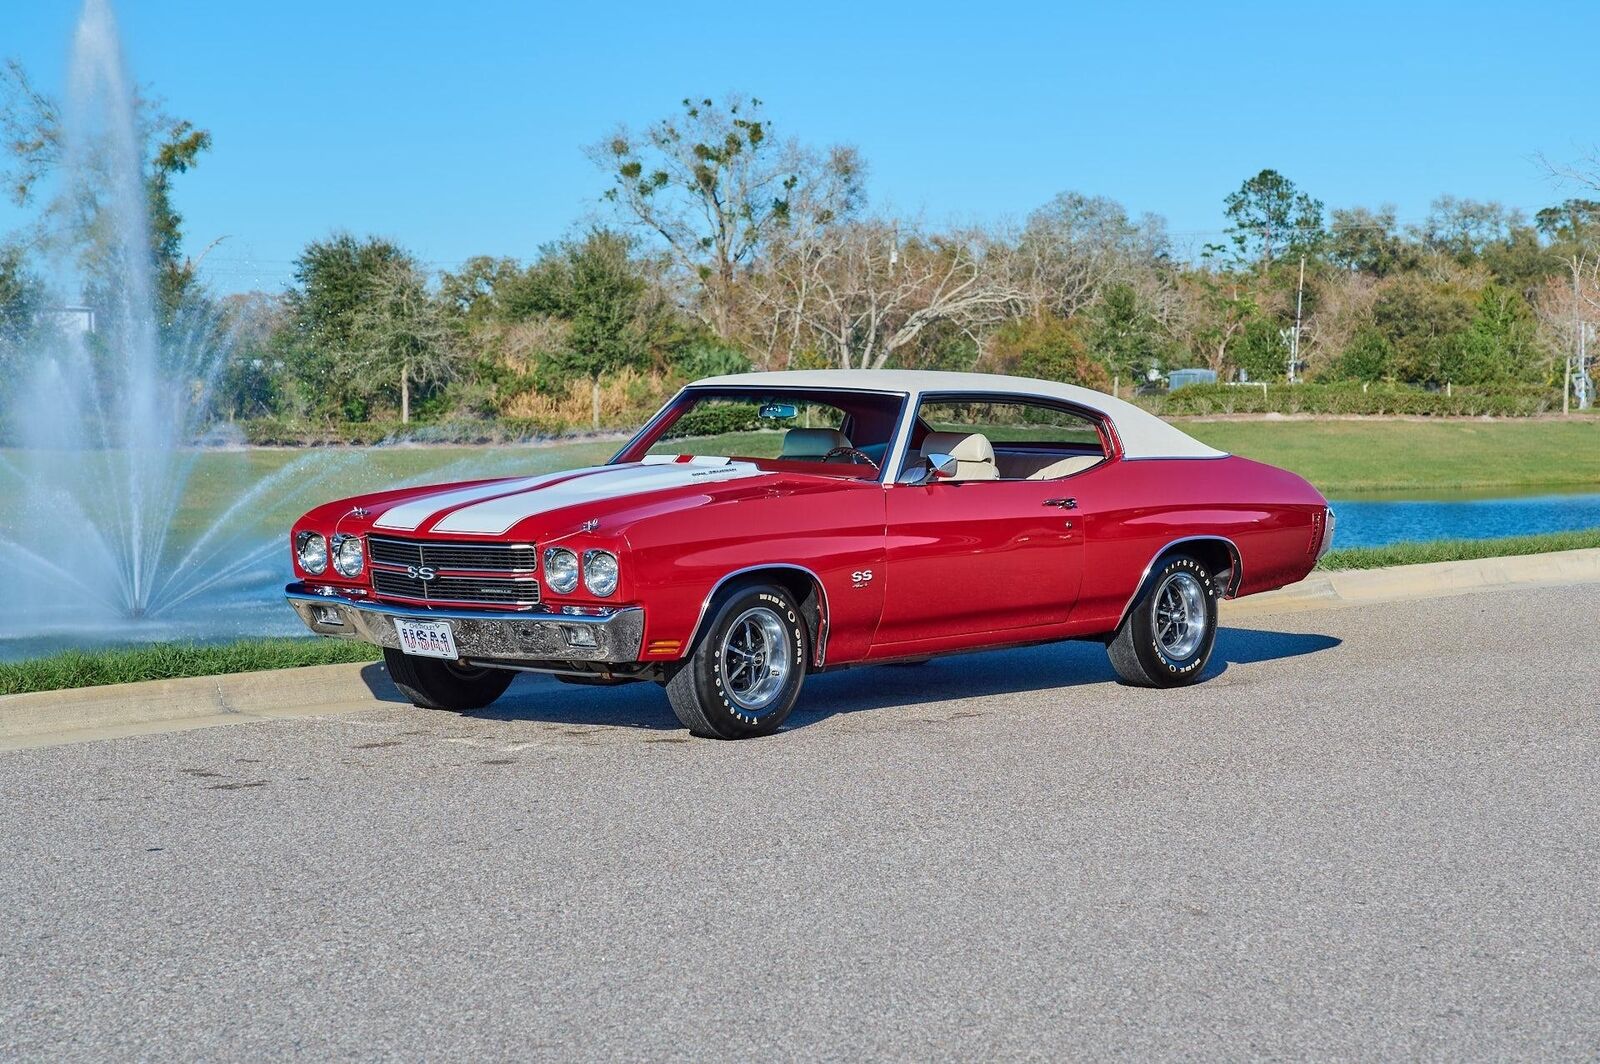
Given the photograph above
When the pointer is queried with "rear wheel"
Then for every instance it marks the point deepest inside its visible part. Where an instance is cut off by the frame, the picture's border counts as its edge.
(744, 674)
(1167, 637)
(432, 683)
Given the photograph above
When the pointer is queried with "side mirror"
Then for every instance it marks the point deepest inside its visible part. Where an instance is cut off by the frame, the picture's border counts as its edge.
(932, 467)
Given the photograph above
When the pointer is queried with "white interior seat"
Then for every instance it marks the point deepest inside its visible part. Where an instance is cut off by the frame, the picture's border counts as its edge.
(812, 443)
(973, 452)
(1066, 467)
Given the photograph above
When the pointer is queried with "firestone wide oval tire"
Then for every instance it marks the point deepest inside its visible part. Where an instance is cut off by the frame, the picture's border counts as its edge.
(437, 684)
(712, 691)
(1146, 652)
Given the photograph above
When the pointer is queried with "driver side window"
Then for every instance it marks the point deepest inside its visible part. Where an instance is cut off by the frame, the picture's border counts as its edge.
(1009, 439)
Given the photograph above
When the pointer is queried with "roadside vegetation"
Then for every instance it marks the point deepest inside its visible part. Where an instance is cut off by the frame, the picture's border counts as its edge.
(729, 246)
(170, 661)
(1455, 550)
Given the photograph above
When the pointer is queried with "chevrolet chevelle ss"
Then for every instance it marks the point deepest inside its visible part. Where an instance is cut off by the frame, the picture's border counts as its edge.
(764, 526)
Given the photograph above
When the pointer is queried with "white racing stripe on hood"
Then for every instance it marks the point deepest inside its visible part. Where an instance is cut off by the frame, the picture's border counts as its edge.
(498, 516)
(409, 516)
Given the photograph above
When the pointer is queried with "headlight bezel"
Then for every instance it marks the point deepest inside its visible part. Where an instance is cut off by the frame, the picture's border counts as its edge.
(303, 539)
(559, 584)
(596, 555)
(336, 554)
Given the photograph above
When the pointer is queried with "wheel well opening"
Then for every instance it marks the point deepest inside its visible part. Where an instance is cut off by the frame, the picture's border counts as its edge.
(802, 587)
(1217, 555)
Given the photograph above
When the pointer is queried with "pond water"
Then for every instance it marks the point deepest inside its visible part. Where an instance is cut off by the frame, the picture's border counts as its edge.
(1375, 522)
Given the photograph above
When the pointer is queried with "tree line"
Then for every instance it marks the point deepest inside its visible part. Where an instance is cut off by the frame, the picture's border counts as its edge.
(729, 247)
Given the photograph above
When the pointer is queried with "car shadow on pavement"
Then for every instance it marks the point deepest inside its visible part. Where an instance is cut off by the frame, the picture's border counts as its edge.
(1040, 668)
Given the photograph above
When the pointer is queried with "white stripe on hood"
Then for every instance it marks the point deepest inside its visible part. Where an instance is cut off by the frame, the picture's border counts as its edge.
(657, 472)
(409, 516)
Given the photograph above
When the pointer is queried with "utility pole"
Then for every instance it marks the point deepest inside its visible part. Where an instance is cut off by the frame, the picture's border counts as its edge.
(1578, 365)
(1585, 385)
(1294, 340)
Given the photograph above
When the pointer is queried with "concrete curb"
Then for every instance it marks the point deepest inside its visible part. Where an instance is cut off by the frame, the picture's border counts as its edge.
(46, 717)
(1356, 587)
(52, 717)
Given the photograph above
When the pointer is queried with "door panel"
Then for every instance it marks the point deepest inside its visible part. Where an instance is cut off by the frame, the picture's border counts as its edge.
(968, 559)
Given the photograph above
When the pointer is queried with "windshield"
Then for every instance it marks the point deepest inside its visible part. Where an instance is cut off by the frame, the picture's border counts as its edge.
(829, 432)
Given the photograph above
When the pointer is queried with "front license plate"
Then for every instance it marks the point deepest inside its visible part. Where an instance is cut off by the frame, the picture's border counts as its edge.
(426, 639)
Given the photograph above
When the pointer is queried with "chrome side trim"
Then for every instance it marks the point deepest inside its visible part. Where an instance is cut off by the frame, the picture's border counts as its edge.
(617, 637)
(820, 651)
(1228, 592)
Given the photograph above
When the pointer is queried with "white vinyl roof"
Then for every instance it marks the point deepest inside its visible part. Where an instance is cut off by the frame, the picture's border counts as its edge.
(1143, 435)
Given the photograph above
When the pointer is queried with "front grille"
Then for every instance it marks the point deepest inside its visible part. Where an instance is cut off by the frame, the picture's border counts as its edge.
(462, 573)
(440, 554)
(447, 590)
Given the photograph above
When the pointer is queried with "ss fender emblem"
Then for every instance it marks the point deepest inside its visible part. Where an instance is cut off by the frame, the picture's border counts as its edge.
(421, 572)
(861, 578)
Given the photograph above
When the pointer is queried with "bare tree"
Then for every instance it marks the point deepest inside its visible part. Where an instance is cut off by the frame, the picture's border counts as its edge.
(1344, 306)
(1565, 305)
(1584, 172)
(1076, 246)
(715, 185)
(866, 291)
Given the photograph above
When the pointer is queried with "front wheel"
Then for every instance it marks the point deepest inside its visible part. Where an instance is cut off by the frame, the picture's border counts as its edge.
(432, 683)
(1166, 638)
(744, 674)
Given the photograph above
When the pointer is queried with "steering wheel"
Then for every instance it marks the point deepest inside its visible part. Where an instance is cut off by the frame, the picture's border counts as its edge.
(856, 457)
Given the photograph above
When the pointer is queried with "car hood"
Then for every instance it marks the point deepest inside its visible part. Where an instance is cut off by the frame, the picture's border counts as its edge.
(498, 507)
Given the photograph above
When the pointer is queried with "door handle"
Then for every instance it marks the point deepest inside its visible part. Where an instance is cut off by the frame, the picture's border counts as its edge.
(1064, 504)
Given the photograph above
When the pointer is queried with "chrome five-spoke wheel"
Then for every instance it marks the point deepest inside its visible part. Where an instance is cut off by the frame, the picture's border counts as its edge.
(1180, 614)
(1166, 636)
(756, 656)
(745, 671)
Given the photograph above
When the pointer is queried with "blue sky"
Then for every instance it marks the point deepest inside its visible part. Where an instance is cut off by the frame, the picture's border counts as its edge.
(458, 128)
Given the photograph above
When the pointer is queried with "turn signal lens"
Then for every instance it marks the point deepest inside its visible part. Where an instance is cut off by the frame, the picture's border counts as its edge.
(561, 570)
(599, 572)
(349, 554)
(311, 550)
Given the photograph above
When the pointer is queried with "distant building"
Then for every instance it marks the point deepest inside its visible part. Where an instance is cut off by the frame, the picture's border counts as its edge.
(1182, 378)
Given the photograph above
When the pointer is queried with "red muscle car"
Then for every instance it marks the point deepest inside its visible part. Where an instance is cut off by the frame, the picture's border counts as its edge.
(764, 526)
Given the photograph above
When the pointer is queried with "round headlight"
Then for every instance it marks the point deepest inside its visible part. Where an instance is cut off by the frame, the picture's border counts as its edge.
(599, 572)
(311, 550)
(561, 570)
(348, 554)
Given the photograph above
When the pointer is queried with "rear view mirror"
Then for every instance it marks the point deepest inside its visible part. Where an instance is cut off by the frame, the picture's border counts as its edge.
(778, 411)
(932, 467)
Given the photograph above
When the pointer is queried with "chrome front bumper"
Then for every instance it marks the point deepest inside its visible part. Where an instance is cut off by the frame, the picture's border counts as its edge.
(485, 634)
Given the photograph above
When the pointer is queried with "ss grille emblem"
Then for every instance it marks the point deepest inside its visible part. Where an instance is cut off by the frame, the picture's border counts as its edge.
(421, 572)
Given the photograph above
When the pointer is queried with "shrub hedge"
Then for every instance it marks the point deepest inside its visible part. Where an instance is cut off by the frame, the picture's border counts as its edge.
(1351, 398)
(283, 432)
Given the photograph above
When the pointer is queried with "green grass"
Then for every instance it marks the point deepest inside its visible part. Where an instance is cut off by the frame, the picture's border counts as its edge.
(168, 661)
(1454, 550)
(1355, 457)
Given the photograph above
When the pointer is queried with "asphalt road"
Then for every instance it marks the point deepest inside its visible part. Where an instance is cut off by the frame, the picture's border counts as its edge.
(1370, 833)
